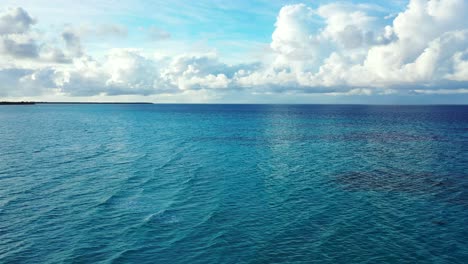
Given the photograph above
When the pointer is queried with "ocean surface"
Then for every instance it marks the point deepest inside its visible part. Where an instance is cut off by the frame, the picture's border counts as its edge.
(233, 184)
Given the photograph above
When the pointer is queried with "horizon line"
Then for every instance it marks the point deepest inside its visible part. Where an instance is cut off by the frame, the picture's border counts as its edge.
(165, 103)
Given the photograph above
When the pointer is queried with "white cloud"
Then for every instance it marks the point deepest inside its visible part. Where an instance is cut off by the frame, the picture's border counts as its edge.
(349, 26)
(421, 48)
(443, 91)
(460, 66)
(124, 71)
(15, 21)
(73, 43)
(128, 71)
(20, 82)
(21, 45)
(428, 33)
(293, 37)
(336, 49)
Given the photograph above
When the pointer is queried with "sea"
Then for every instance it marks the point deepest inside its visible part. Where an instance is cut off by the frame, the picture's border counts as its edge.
(181, 183)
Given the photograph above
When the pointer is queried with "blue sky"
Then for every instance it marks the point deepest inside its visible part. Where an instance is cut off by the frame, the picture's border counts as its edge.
(225, 25)
(239, 51)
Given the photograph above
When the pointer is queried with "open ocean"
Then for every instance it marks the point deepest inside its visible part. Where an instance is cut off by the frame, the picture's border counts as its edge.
(233, 184)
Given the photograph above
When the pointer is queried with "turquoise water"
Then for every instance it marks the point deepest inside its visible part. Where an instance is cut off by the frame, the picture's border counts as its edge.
(233, 184)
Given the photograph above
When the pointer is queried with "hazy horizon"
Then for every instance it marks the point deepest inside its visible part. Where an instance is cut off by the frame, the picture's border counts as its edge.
(282, 51)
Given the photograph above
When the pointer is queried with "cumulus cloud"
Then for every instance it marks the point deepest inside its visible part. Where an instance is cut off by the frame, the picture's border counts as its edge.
(72, 42)
(129, 71)
(124, 71)
(423, 47)
(15, 21)
(14, 24)
(460, 67)
(53, 54)
(201, 71)
(21, 82)
(19, 46)
(335, 49)
(428, 34)
(293, 36)
(19, 41)
(349, 26)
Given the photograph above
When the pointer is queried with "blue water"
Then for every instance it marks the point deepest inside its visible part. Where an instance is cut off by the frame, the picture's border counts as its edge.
(233, 184)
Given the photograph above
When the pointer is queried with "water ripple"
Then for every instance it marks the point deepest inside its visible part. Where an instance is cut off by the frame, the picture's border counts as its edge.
(233, 184)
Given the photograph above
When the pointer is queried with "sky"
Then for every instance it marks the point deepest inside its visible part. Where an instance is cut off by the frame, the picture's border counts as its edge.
(257, 51)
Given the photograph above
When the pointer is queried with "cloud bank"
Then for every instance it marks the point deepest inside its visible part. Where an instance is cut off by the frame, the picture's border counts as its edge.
(335, 49)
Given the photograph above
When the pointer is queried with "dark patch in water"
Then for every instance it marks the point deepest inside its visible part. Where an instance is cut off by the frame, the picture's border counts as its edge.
(439, 222)
(383, 137)
(377, 137)
(453, 188)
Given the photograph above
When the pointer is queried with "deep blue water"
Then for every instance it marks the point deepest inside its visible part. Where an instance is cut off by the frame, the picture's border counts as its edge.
(233, 184)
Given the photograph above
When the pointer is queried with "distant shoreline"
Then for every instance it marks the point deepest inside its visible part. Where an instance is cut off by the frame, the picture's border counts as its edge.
(17, 103)
(149, 103)
(93, 103)
(33, 103)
